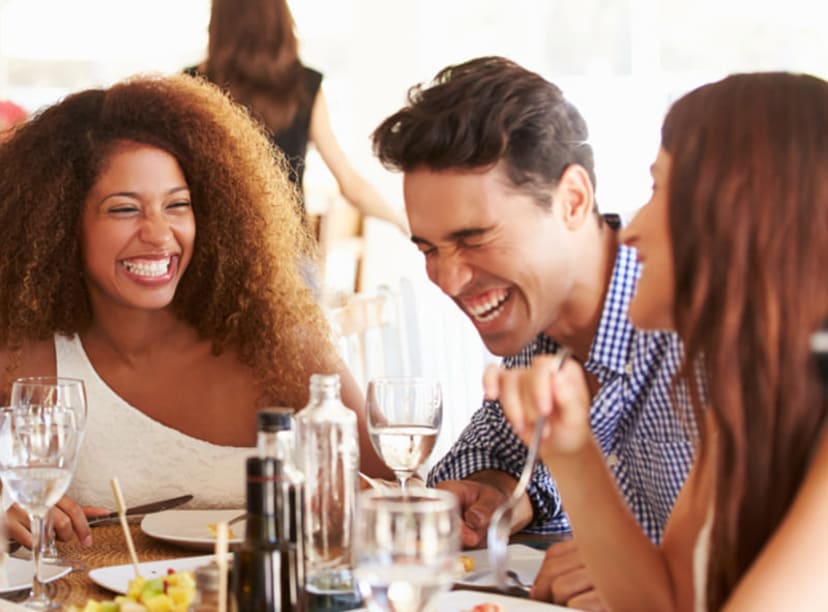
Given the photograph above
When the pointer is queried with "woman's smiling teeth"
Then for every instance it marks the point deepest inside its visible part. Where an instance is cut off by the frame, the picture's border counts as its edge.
(488, 308)
(154, 267)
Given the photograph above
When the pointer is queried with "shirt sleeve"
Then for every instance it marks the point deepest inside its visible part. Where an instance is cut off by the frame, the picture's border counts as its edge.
(488, 443)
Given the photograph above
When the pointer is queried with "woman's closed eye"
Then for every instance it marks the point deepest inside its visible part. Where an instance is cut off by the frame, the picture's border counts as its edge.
(179, 204)
(123, 209)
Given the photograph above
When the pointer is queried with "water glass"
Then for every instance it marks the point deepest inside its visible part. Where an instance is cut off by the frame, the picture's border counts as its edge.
(38, 451)
(70, 393)
(404, 415)
(409, 545)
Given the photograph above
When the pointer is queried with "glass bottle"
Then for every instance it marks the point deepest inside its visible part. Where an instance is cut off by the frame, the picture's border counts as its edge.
(274, 432)
(329, 458)
(206, 598)
(257, 563)
(275, 438)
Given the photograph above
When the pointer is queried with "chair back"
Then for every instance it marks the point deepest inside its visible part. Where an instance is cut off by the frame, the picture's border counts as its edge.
(375, 334)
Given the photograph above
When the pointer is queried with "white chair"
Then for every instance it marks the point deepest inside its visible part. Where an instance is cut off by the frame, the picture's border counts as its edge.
(376, 333)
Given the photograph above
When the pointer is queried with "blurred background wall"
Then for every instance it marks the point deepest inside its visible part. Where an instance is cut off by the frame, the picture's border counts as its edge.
(620, 61)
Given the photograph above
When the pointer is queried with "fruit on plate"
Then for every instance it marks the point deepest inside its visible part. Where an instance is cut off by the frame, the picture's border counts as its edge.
(467, 562)
(172, 593)
(213, 529)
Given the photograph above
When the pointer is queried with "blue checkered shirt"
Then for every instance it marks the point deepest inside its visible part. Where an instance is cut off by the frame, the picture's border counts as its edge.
(648, 442)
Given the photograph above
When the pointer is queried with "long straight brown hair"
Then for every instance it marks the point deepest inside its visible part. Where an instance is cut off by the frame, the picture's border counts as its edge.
(253, 53)
(748, 199)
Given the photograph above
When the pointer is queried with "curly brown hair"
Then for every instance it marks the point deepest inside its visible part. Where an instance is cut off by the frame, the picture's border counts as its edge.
(243, 288)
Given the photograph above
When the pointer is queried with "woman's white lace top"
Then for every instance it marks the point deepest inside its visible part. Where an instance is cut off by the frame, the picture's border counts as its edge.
(152, 461)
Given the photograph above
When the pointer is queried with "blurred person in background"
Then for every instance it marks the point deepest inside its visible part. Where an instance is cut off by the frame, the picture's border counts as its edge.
(253, 54)
(148, 246)
(10, 115)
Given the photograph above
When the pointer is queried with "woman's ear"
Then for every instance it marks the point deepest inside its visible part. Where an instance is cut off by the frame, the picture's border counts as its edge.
(575, 196)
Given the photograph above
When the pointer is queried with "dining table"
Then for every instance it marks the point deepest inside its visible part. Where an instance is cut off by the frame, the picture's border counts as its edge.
(109, 548)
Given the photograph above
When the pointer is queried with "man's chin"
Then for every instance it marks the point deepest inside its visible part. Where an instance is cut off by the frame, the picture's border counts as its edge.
(504, 344)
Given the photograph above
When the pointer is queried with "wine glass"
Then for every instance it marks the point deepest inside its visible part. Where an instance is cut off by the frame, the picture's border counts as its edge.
(4, 538)
(404, 416)
(52, 390)
(38, 449)
(409, 547)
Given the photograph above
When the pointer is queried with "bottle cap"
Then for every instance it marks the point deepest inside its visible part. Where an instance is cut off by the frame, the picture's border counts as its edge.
(272, 420)
(325, 384)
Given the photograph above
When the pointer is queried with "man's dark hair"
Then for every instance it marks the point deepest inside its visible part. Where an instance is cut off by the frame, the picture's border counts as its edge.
(483, 111)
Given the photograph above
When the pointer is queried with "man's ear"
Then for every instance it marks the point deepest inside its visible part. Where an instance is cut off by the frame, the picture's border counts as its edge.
(575, 196)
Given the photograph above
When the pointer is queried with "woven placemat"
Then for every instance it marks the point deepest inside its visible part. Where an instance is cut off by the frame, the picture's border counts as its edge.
(109, 548)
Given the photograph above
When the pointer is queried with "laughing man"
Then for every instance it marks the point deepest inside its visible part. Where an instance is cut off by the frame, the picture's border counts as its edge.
(499, 189)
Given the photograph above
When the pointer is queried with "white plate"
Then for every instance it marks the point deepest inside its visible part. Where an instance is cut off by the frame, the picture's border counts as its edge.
(188, 528)
(19, 572)
(458, 601)
(116, 577)
(524, 560)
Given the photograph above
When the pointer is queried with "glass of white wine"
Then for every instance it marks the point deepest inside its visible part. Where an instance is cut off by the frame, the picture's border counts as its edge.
(404, 415)
(409, 547)
(70, 393)
(38, 450)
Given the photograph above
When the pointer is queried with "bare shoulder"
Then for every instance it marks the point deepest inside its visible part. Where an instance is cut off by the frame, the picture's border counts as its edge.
(816, 481)
(789, 572)
(317, 348)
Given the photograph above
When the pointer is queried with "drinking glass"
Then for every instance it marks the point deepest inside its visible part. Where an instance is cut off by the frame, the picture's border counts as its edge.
(4, 538)
(409, 547)
(38, 450)
(404, 417)
(52, 390)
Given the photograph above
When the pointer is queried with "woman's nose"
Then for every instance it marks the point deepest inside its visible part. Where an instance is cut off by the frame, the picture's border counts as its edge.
(155, 229)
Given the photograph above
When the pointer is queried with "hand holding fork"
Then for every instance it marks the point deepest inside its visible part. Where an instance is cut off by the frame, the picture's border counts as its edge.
(501, 522)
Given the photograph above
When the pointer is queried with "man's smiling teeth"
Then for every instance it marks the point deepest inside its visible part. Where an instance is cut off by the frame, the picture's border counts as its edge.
(489, 309)
(157, 267)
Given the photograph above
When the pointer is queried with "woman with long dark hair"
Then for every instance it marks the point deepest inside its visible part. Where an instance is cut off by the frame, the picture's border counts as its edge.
(253, 54)
(734, 242)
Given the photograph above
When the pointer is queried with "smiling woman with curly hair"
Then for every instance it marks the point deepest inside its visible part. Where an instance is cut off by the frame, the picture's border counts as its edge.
(150, 245)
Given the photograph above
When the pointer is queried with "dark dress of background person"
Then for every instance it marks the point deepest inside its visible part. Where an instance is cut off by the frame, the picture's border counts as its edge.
(253, 53)
(293, 139)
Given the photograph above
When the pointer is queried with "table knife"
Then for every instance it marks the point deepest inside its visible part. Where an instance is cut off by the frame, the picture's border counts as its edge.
(138, 511)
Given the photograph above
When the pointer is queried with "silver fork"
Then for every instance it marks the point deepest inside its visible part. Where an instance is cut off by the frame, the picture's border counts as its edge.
(501, 522)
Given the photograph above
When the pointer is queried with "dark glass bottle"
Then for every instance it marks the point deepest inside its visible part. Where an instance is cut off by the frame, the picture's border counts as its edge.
(275, 438)
(274, 432)
(259, 584)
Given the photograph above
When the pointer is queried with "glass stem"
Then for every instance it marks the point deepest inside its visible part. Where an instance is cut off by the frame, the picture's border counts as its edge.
(49, 549)
(38, 525)
(403, 479)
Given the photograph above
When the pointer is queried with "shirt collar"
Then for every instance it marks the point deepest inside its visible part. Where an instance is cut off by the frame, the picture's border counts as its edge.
(611, 346)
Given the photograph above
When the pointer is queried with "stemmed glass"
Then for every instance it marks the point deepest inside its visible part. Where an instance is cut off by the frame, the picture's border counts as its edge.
(38, 449)
(69, 393)
(409, 547)
(404, 417)
(4, 538)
